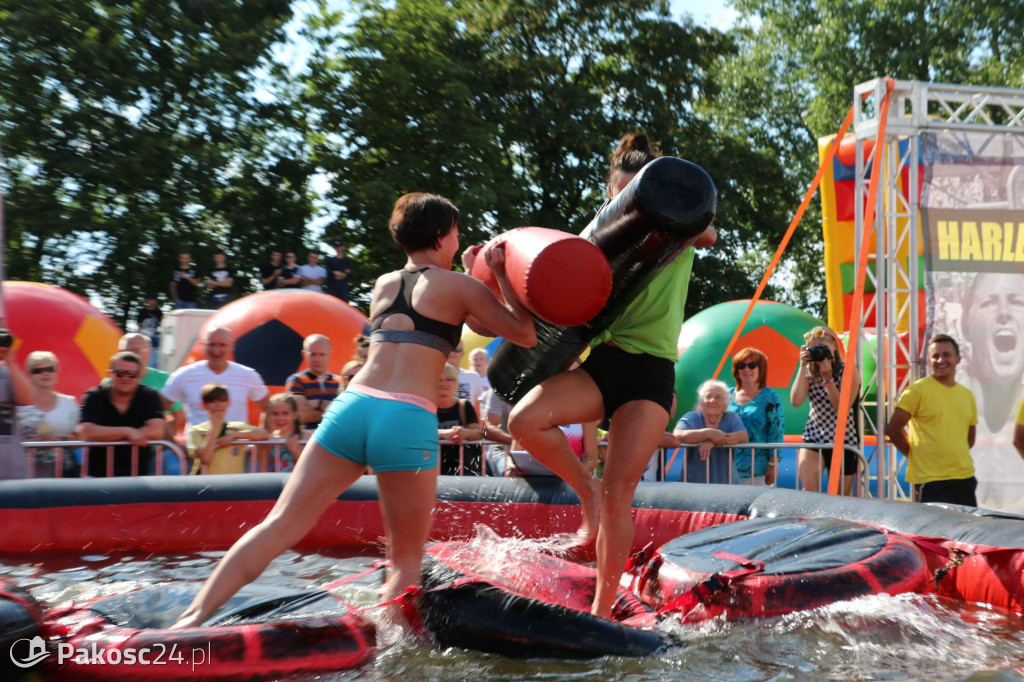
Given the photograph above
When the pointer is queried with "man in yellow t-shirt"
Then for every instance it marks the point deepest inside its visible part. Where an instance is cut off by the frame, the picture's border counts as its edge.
(942, 416)
(1018, 430)
(210, 443)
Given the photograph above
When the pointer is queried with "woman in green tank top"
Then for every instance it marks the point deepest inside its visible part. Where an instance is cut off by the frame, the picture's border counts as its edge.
(629, 378)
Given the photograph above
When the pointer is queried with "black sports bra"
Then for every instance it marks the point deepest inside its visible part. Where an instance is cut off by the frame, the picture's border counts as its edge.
(426, 331)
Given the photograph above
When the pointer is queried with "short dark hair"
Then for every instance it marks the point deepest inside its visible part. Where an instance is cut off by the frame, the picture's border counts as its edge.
(211, 392)
(220, 252)
(420, 221)
(126, 356)
(944, 338)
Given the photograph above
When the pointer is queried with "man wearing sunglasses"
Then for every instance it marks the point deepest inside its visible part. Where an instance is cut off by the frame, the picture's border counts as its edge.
(121, 410)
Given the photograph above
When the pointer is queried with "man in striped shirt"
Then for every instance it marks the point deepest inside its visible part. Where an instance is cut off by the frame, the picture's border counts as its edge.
(317, 386)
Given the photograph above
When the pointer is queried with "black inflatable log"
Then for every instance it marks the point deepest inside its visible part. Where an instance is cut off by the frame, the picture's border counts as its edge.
(661, 211)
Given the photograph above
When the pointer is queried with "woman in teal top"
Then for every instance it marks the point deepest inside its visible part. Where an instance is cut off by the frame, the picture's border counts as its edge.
(761, 411)
(629, 377)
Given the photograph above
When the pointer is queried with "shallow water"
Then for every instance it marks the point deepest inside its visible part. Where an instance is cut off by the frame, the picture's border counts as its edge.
(909, 637)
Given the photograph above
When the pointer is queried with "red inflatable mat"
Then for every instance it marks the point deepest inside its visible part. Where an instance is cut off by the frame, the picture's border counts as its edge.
(259, 633)
(772, 566)
(526, 604)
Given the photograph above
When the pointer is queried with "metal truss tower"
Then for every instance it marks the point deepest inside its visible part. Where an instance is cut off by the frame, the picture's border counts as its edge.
(894, 272)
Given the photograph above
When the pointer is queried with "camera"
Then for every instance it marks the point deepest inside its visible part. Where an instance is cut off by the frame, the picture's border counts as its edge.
(6, 338)
(818, 353)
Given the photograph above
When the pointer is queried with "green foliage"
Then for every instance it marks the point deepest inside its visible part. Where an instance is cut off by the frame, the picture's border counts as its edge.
(133, 128)
(798, 60)
(510, 108)
(130, 130)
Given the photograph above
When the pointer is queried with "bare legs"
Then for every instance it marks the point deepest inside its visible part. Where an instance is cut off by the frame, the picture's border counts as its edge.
(407, 503)
(636, 429)
(567, 398)
(810, 467)
(607, 505)
(407, 498)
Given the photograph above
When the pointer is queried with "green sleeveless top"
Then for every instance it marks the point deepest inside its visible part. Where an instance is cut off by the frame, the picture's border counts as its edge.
(650, 323)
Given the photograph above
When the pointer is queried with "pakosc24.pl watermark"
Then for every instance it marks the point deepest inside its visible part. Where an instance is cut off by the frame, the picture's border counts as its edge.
(26, 653)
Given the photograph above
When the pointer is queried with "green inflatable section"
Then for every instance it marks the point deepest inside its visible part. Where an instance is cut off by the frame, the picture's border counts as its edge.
(775, 329)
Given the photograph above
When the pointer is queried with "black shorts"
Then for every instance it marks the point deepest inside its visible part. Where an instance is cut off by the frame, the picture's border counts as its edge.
(623, 377)
(849, 461)
(950, 491)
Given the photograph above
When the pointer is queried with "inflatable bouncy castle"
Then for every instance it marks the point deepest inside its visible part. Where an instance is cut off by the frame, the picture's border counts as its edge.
(269, 327)
(47, 318)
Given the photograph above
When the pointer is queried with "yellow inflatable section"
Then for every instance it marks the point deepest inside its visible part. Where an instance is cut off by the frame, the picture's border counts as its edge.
(838, 207)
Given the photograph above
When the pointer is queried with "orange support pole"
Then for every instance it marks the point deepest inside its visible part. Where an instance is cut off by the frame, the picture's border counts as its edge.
(785, 239)
(858, 300)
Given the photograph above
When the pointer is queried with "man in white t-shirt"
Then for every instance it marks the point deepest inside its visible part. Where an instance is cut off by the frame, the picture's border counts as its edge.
(470, 386)
(243, 383)
(312, 275)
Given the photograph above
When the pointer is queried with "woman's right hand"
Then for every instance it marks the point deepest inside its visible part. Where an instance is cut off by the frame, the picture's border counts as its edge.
(720, 437)
(704, 450)
(496, 259)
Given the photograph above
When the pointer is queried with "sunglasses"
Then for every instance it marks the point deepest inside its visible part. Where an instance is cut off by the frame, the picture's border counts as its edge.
(817, 334)
(126, 373)
(746, 365)
(42, 370)
(348, 376)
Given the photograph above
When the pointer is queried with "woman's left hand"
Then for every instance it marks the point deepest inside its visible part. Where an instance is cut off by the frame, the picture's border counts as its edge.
(469, 257)
(457, 434)
(825, 369)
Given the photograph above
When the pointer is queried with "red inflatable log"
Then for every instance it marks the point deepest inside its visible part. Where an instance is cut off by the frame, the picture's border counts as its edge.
(561, 278)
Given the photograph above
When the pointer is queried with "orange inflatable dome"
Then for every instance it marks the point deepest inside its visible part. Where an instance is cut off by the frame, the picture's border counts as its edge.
(269, 327)
(46, 317)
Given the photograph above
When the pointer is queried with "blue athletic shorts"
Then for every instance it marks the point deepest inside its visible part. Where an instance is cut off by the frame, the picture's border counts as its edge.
(387, 435)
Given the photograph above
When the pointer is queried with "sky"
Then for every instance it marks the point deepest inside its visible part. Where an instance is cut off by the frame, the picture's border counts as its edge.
(714, 13)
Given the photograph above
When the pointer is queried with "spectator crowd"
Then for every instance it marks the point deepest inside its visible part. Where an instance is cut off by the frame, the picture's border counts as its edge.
(206, 405)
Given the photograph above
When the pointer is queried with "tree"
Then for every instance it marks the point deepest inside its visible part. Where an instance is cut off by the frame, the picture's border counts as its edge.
(510, 109)
(828, 46)
(132, 129)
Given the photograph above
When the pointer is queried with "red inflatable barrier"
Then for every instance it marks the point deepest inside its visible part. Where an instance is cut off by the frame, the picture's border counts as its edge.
(561, 278)
(772, 566)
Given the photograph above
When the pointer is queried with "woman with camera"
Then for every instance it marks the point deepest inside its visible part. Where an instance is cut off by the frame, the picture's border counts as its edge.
(820, 377)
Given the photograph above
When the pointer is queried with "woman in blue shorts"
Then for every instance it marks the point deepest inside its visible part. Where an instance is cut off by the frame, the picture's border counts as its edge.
(387, 418)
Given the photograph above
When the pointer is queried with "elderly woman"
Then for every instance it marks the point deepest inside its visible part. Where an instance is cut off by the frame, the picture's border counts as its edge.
(457, 422)
(761, 411)
(819, 378)
(52, 416)
(710, 427)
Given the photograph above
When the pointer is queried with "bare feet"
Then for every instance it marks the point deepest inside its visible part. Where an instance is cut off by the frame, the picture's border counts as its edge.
(590, 506)
(187, 620)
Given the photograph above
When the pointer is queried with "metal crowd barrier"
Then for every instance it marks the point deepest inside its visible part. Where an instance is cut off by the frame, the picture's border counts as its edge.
(260, 459)
(63, 449)
(860, 478)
